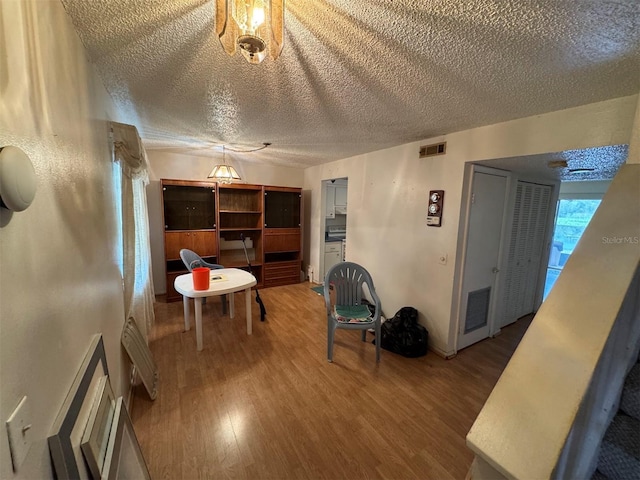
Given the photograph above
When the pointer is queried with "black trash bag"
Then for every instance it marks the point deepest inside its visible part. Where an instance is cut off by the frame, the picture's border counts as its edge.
(403, 334)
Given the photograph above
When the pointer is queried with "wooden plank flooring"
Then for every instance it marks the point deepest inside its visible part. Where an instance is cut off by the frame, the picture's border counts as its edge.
(270, 406)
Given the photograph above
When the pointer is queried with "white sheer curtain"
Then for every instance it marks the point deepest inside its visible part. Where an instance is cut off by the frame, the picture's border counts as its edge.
(138, 284)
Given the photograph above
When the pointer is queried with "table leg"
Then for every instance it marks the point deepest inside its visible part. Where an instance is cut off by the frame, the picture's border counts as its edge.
(187, 313)
(232, 308)
(247, 300)
(198, 302)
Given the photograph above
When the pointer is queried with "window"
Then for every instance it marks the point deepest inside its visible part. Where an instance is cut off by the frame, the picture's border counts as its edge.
(571, 221)
(117, 185)
(130, 178)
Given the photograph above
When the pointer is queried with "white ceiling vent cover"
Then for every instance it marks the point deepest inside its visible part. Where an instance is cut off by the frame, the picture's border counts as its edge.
(433, 150)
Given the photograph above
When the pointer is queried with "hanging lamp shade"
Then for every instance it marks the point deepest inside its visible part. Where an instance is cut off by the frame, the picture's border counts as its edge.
(224, 173)
(256, 27)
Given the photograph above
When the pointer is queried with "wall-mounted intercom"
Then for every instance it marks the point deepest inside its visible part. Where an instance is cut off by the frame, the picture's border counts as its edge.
(434, 213)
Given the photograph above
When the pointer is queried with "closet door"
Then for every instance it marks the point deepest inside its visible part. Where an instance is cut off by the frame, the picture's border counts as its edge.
(526, 246)
(512, 277)
(535, 245)
(523, 248)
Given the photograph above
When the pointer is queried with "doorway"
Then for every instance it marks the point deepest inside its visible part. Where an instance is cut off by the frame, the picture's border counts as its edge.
(334, 233)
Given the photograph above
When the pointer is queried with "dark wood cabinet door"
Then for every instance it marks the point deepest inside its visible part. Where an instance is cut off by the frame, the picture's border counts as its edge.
(188, 207)
(204, 244)
(173, 242)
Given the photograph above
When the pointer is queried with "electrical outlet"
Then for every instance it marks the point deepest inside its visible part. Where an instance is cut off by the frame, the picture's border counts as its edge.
(19, 429)
(442, 259)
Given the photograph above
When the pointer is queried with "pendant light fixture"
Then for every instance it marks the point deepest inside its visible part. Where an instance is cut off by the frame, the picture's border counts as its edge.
(254, 26)
(224, 173)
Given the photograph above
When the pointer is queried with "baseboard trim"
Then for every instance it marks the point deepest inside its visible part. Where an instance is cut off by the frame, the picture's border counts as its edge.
(442, 353)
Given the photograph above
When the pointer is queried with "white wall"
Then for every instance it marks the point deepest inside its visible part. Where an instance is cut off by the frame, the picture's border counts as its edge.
(388, 190)
(60, 283)
(187, 167)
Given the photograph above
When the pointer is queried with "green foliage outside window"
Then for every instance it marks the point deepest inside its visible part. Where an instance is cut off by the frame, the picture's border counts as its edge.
(573, 217)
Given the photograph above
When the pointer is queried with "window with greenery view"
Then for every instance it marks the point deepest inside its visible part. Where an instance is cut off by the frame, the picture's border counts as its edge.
(572, 219)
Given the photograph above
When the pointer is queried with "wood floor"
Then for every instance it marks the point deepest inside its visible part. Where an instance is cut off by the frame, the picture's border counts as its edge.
(269, 405)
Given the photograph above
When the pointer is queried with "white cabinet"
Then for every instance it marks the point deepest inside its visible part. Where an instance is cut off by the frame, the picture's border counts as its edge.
(330, 199)
(336, 200)
(332, 254)
(341, 196)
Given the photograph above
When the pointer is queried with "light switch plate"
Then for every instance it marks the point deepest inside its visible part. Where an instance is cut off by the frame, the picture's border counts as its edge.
(20, 433)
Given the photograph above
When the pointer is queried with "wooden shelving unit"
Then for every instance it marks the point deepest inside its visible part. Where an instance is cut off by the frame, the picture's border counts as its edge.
(282, 235)
(211, 219)
(240, 212)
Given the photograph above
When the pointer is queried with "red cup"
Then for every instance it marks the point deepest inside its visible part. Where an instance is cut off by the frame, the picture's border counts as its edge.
(200, 278)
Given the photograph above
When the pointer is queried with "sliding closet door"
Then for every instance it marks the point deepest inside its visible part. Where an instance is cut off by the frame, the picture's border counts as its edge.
(526, 248)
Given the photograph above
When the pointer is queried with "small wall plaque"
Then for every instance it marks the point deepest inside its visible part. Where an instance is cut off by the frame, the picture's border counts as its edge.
(434, 212)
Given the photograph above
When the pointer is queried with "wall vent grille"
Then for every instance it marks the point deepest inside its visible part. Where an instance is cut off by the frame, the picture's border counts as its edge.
(477, 309)
(433, 150)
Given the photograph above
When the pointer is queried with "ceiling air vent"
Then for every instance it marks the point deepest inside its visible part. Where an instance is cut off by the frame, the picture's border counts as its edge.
(432, 150)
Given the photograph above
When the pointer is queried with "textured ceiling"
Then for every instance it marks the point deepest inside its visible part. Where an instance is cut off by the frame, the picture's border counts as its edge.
(600, 163)
(355, 76)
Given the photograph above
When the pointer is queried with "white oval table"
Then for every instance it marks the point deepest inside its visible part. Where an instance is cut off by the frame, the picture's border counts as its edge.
(222, 281)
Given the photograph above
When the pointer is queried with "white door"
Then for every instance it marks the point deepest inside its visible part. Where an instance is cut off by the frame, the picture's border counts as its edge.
(526, 251)
(341, 196)
(482, 254)
(330, 201)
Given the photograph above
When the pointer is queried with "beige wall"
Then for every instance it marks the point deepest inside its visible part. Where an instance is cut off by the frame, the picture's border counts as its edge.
(388, 190)
(634, 145)
(59, 280)
(188, 167)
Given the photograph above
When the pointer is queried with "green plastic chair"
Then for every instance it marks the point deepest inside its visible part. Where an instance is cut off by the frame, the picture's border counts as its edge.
(348, 310)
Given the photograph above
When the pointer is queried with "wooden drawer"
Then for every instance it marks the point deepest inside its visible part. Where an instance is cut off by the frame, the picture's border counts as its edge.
(282, 240)
(281, 273)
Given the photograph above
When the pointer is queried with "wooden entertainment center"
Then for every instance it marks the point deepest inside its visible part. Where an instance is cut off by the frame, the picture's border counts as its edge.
(209, 218)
